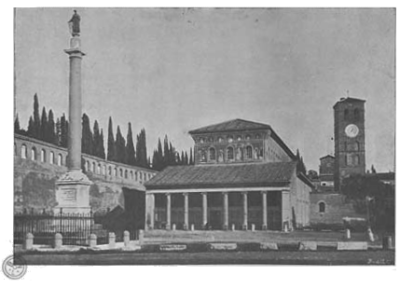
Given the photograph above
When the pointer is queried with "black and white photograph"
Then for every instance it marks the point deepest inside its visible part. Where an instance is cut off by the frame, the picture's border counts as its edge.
(203, 136)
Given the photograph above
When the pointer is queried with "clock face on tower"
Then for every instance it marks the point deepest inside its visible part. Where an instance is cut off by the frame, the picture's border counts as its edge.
(351, 130)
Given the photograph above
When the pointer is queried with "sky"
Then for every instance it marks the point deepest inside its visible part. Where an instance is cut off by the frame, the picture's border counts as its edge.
(173, 70)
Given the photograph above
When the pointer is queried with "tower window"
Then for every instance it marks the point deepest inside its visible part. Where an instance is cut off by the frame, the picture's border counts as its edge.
(356, 114)
(346, 114)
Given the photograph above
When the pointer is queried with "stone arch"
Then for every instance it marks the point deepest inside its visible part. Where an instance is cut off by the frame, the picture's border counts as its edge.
(43, 156)
(115, 172)
(131, 174)
(51, 158)
(94, 167)
(121, 173)
(33, 154)
(109, 170)
(136, 176)
(59, 160)
(230, 154)
(24, 152)
(126, 174)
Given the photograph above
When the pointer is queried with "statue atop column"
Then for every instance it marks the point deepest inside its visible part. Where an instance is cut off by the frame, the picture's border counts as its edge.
(74, 24)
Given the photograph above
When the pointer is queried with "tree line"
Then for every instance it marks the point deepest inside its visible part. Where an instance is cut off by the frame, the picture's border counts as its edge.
(119, 149)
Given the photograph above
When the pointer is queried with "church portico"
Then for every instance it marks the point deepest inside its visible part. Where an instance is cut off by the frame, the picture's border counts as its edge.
(216, 210)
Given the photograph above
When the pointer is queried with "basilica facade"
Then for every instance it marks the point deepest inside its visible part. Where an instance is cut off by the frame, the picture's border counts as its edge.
(244, 177)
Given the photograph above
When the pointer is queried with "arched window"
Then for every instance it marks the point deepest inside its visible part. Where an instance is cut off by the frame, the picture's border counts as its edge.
(43, 155)
(104, 169)
(115, 172)
(126, 174)
(99, 168)
(212, 154)
(136, 176)
(321, 207)
(94, 167)
(24, 152)
(140, 176)
(88, 166)
(109, 170)
(131, 174)
(59, 160)
(261, 153)
(121, 173)
(33, 154)
(249, 152)
(202, 156)
(356, 114)
(230, 153)
(346, 114)
(52, 157)
(145, 176)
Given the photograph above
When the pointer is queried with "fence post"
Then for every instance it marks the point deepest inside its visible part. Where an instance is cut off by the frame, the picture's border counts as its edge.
(28, 245)
(57, 241)
(141, 237)
(111, 240)
(126, 238)
(92, 240)
(253, 227)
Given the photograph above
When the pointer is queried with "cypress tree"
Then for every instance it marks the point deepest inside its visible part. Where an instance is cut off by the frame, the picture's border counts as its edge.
(31, 127)
(43, 125)
(186, 159)
(36, 118)
(64, 132)
(120, 147)
(16, 125)
(102, 153)
(96, 140)
(87, 137)
(110, 142)
(58, 132)
(130, 148)
(191, 160)
(51, 135)
(141, 149)
(167, 154)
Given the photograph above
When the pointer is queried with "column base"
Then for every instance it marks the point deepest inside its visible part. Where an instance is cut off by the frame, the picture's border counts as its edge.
(264, 227)
(185, 227)
(244, 227)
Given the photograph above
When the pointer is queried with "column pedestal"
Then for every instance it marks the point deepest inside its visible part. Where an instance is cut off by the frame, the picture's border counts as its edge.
(72, 193)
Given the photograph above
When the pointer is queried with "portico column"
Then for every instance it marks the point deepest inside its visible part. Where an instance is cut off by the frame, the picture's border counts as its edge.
(225, 226)
(264, 210)
(245, 212)
(186, 211)
(168, 225)
(204, 198)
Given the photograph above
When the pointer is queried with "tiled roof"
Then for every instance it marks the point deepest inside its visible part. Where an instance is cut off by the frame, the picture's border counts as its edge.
(232, 125)
(223, 176)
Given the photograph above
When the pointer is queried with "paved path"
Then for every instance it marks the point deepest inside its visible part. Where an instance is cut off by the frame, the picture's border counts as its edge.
(201, 258)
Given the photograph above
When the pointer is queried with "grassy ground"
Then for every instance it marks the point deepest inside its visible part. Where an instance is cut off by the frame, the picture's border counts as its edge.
(204, 258)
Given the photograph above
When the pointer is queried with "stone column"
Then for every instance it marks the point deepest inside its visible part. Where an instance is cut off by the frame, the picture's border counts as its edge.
(185, 211)
(168, 225)
(72, 188)
(204, 198)
(245, 211)
(149, 211)
(225, 225)
(264, 210)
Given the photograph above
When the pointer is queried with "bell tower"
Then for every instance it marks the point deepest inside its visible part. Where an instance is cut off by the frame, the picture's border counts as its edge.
(349, 118)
